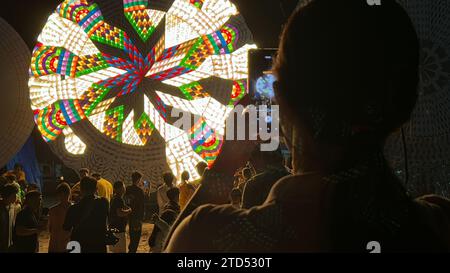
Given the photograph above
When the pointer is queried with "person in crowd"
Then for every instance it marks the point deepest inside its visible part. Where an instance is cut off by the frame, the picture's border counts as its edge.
(104, 187)
(28, 226)
(236, 198)
(347, 75)
(87, 220)
(8, 194)
(17, 171)
(11, 178)
(186, 189)
(201, 167)
(15, 207)
(161, 195)
(76, 191)
(164, 222)
(23, 185)
(57, 214)
(271, 168)
(118, 215)
(135, 196)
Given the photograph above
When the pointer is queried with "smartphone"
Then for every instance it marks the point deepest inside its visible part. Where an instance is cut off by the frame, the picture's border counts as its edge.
(261, 77)
(260, 82)
(146, 184)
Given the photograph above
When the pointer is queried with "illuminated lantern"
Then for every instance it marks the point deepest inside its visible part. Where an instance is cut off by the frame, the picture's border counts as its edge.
(105, 76)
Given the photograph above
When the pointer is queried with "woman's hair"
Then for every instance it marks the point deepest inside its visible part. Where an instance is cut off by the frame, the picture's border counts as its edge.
(118, 185)
(348, 70)
(136, 176)
(88, 185)
(168, 178)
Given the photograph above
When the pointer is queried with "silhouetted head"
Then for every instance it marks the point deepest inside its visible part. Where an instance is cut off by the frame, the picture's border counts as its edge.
(10, 177)
(63, 192)
(8, 193)
(347, 73)
(88, 186)
(83, 172)
(185, 176)
(119, 188)
(136, 177)
(168, 179)
(33, 200)
(97, 176)
(201, 167)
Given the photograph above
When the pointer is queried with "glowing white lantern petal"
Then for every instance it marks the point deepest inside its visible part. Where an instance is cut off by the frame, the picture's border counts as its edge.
(179, 152)
(219, 11)
(49, 89)
(232, 66)
(73, 143)
(40, 88)
(178, 32)
(129, 135)
(60, 32)
(185, 21)
(98, 120)
(155, 15)
(209, 108)
(181, 157)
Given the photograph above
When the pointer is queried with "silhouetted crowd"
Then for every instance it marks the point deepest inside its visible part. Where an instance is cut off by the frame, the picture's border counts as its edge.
(97, 213)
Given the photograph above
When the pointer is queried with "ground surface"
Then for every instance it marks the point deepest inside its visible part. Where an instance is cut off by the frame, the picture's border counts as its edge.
(143, 244)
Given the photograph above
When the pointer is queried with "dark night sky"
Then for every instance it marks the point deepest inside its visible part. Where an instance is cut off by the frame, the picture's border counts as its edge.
(264, 18)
